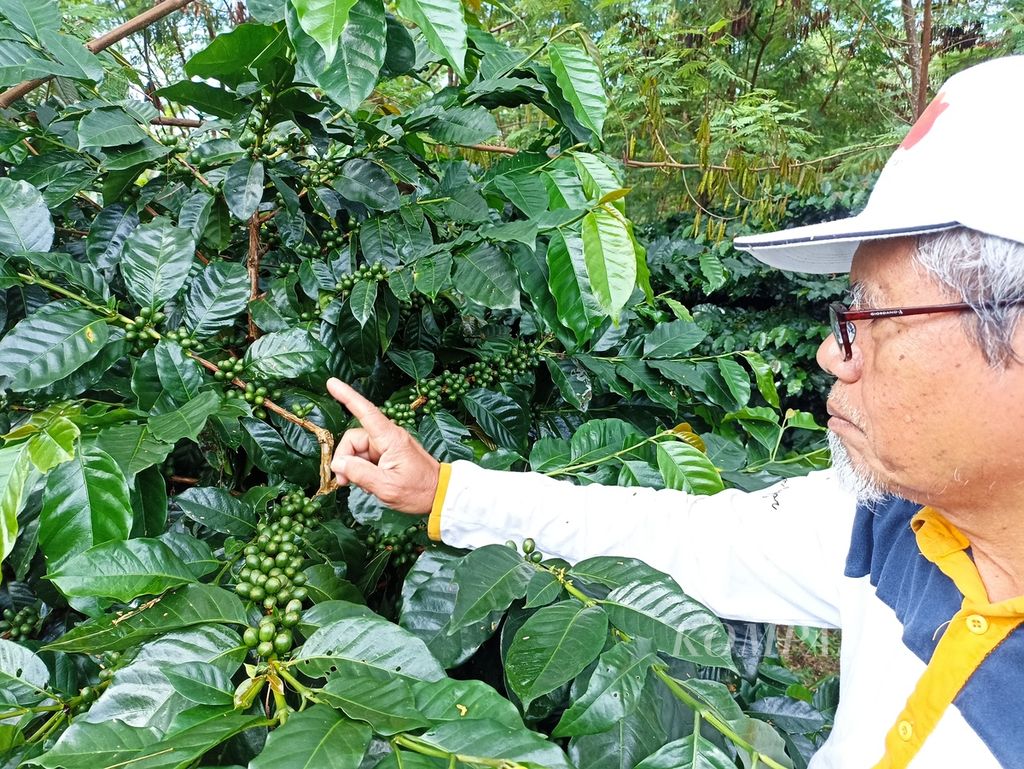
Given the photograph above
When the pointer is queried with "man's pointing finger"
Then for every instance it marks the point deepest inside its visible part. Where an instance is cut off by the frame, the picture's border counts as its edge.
(369, 416)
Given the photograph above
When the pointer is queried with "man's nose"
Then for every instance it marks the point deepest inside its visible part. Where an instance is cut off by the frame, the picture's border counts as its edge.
(830, 359)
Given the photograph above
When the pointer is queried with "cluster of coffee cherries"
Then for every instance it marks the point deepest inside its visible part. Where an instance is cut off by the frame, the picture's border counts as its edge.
(401, 414)
(21, 624)
(273, 635)
(404, 545)
(378, 272)
(182, 337)
(331, 240)
(302, 410)
(137, 329)
(530, 550)
(228, 369)
(109, 663)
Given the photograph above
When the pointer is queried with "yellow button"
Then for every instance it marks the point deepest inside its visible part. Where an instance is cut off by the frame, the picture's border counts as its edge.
(977, 624)
(905, 730)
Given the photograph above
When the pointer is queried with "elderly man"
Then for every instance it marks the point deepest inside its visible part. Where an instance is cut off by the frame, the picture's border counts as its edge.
(912, 544)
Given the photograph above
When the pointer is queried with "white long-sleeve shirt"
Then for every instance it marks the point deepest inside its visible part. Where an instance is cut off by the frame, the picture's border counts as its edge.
(932, 673)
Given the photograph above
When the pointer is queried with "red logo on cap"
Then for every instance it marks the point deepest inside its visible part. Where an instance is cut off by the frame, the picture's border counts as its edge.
(925, 122)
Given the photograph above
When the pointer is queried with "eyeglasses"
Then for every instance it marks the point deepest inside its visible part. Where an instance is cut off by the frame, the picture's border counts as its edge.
(841, 319)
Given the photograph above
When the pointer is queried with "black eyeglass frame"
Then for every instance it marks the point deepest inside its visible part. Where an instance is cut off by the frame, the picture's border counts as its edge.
(841, 318)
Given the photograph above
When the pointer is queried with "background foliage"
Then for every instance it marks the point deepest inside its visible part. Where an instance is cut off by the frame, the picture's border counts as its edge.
(436, 202)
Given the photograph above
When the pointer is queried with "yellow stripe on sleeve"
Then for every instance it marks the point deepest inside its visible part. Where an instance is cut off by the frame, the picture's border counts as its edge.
(434, 521)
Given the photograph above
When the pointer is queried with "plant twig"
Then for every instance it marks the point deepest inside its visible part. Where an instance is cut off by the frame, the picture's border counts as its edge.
(252, 264)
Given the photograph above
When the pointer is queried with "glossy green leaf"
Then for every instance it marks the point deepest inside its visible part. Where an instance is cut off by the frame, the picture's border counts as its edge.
(32, 18)
(499, 416)
(54, 444)
(372, 643)
(179, 375)
(122, 570)
(526, 191)
(693, 752)
(764, 376)
(25, 223)
(570, 284)
(464, 125)
(483, 737)
(316, 738)
(133, 447)
(107, 235)
(323, 20)
(428, 601)
(614, 571)
(285, 354)
(363, 181)
(23, 675)
(78, 61)
(352, 74)
(156, 261)
(17, 475)
(613, 691)
(79, 275)
(554, 646)
(362, 300)
(610, 259)
(206, 98)
(203, 684)
(485, 275)
(442, 435)
(600, 180)
(109, 128)
(85, 503)
(384, 702)
(188, 606)
(231, 55)
(49, 345)
(490, 578)
(581, 83)
(216, 509)
(243, 187)
(670, 340)
(443, 25)
(687, 468)
(451, 699)
(187, 421)
(736, 380)
(400, 57)
(431, 274)
(678, 625)
(195, 553)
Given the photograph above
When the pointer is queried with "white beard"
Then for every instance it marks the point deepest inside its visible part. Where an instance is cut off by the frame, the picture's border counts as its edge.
(868, 489)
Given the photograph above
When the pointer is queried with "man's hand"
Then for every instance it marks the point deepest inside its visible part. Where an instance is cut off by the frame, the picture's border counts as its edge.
(382, 458)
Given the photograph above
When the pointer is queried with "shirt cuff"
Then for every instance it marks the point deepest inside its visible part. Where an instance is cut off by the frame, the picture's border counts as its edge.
(434, 521)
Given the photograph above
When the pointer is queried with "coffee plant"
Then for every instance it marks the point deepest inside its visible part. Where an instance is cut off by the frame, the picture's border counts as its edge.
(183, 583)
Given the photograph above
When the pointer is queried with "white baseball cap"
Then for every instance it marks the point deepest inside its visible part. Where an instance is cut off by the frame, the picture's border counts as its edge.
(961, 164)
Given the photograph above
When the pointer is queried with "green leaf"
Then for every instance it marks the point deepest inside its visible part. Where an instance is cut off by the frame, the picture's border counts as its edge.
(324, 21)
(499, 416)
(572, 380)
(285, 355)
(373, 643)
(428, 601)
(416, 363)
(86, 502)
(243, 187)
(384, 702)
(77, 274)
(443, 25)
(431, 273)
(693, 752)
(216, 509)
(525, 190)
(629, 741)
(22, 675)
(442, 435)
(464, 125)
(32, 18)
(670, 340)
(122, 570)
(610, 259)
(554, 646)
(107, 235)
(179, 374)
(156, 261)
(483, 737)
(791, 715)
(114, 744)
(736, 380)
(363, 181)
(453, 700)
(485, 275)
(79, 61)
(614, 571)
(570, 284)
(400, 57)
(687, 468)
(54, 444)
(231, 55)
(581, 83)
(203, 684)
(17, 476)
(362, 300)
(133, 448)
(49, 345)
(187, 421)
(25, 223)
(111, 127)
(204, 97)
(490, 578)
(764, 376)
(678, 625)
(350, 78)
(713, 270)
(194, 552)
(599, 179)
(316, 738)
(189, 606)
(613, 691)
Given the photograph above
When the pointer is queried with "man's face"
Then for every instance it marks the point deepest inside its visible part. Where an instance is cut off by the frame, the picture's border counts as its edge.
(917, 408)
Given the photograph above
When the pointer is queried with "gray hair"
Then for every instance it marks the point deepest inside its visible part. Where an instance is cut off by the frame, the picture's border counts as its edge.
(987, 272)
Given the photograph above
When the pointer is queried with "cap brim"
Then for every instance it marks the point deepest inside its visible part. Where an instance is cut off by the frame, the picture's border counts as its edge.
(828, 246)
